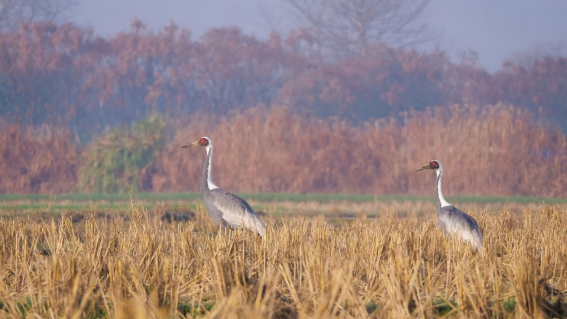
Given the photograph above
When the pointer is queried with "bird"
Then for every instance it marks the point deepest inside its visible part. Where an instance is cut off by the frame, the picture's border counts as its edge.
(225, 208)
(452, 220)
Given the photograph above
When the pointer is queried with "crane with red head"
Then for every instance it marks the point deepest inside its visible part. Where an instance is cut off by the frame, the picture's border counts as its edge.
(225, 208)
(452, 220)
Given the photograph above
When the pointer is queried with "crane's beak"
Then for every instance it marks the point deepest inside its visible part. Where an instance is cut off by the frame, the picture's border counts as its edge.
(196, 143)
(424, 167)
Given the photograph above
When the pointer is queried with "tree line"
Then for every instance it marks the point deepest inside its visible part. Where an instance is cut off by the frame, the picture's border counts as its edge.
(62, 73)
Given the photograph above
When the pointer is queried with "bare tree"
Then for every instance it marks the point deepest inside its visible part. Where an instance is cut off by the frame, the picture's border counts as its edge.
(15, 12)
(354, 27)
(529, 57)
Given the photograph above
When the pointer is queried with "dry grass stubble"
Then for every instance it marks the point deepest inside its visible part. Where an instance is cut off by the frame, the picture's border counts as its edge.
(384, 267)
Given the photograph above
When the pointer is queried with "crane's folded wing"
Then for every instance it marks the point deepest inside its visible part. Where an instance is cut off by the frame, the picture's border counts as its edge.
(234, 209)
(455, 216)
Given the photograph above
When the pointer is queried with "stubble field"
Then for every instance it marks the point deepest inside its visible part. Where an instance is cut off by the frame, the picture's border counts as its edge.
(364, 257)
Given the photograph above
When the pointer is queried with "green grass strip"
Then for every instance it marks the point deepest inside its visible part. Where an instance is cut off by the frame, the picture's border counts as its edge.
(273, 197)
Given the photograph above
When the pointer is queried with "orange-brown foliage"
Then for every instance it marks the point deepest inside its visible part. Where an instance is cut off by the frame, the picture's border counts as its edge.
(486, 151)
(65, 74)
(36, 163)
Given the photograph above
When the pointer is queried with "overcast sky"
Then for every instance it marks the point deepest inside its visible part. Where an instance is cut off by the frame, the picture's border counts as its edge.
(495, 29)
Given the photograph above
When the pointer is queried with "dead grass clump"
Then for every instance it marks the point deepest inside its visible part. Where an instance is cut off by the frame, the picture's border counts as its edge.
(37, 161)
(387, 267)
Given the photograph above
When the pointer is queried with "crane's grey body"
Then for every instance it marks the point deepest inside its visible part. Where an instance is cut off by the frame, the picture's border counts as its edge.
(225, 208)
(452, 220)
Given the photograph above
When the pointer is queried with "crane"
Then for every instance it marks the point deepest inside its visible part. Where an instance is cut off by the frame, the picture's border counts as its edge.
(225, 208)
(452, 220)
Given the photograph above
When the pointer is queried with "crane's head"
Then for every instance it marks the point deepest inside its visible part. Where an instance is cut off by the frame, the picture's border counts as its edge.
(435, 165)
(203, 141)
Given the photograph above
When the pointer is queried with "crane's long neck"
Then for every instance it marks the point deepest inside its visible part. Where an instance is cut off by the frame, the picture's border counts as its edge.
(441, 202)
(207, 180)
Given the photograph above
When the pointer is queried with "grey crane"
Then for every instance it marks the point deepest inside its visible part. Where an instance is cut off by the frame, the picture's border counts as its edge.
(225, 208)
(452, 220)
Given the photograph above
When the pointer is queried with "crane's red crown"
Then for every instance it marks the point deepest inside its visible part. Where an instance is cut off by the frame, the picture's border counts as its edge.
(203, 141)
(433, 165)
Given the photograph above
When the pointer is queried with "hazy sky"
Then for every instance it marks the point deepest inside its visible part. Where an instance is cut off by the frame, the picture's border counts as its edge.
(495, 29)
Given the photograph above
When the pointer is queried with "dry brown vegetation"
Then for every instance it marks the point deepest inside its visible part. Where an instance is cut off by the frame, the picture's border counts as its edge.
(486, 151)
(37, 161)
(386, 267)
(496, 150)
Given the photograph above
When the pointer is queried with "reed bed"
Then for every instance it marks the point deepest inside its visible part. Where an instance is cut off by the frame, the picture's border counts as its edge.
(485, 151)
(387, 267)
(37, 160)
(493, 150)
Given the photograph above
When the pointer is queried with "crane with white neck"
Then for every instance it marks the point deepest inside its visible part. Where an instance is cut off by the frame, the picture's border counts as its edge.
(225, 208)
(452, 220)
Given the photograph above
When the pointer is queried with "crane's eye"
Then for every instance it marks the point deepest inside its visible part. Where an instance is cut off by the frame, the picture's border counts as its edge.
(203, 141)
(434, 164)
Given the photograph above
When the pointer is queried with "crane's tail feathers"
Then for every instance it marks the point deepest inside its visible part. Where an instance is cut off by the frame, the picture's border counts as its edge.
(476, 240)
(260, 227)
(471, 236)
(255, 224)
